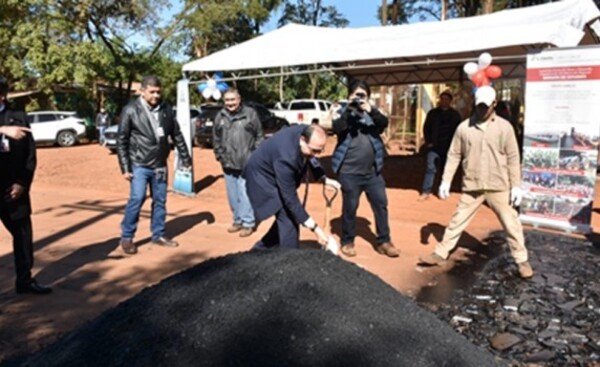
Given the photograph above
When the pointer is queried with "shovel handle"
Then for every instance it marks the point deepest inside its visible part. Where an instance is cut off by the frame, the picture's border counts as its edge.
(328, 202)
(329, 199)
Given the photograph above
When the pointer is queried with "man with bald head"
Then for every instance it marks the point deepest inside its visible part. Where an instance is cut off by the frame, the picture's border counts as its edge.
(273, 174)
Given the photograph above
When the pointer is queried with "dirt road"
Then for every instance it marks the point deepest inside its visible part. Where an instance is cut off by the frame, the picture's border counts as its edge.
(78, 200)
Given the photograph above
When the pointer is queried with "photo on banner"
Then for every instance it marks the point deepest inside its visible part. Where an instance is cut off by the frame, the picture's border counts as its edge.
(561, 135)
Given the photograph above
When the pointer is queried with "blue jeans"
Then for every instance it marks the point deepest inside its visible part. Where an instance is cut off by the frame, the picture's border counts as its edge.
(142, 177)
(352, 188)
(433, 160)
(238, 198)
(101, 131)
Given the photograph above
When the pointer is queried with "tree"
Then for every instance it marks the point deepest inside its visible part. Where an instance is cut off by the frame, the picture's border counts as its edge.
(74, 43)
(427, 10)
(311, 12)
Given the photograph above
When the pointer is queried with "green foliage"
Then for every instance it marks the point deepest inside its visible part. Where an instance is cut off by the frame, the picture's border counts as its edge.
(311, 12)
(427, 10)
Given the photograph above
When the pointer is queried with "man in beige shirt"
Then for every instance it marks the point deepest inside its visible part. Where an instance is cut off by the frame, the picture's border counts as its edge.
(486, 146)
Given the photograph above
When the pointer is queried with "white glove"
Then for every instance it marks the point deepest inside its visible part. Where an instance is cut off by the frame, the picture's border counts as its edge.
(444, 192)
(332, 246)
(516, 195)
(333, 183)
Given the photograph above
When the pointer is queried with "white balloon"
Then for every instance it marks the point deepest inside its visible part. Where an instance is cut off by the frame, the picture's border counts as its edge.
(216, 94)
(207, 93)
(211, 84)
(485, 60)
(470, 68)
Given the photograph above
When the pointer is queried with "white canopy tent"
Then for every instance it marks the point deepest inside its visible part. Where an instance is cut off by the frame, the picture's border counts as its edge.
(426, 52)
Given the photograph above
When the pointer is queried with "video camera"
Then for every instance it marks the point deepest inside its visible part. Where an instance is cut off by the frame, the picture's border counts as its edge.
(357, 100)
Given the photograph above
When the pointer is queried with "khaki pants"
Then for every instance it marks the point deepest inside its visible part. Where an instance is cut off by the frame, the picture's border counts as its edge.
(465, 211)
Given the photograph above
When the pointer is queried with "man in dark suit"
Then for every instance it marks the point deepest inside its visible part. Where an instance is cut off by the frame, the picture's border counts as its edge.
(17, 166)
(273, 174)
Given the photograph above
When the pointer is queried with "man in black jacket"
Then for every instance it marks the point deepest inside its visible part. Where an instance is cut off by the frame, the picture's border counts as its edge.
(438, 130)
(17, 167)
(236, 133)
(143, 149)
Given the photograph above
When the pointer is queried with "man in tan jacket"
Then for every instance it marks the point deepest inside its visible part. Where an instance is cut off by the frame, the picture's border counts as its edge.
(487, 147)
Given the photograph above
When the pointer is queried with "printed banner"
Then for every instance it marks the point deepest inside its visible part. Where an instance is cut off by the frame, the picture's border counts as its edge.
(183, 181)
(560, 144)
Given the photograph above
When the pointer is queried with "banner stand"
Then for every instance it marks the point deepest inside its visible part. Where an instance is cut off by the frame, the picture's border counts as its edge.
(183, 180)
(561, 137)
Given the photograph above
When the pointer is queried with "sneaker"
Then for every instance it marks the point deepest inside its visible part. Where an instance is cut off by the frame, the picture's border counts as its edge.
(246, 231)
(423, 197)
(235, 227)
(431, 259)
(388, 249)
(348, 249)
(525, 270)
(128, 246)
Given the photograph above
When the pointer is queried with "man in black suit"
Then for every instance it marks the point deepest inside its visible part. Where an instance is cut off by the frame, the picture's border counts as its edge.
(17, 166)
(273, 174)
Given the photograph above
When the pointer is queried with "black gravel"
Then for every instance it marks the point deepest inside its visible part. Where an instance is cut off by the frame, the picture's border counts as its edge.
(550, 320)
(266, 308)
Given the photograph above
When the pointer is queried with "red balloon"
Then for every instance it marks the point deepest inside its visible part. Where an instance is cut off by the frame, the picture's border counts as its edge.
(479, 78)
(485, 81)
(493, 72)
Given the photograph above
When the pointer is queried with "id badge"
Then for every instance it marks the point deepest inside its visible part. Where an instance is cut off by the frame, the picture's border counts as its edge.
(161, 132)
(4, 144)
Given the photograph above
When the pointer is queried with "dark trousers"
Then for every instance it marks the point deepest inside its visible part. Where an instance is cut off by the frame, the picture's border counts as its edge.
(22, 235)
(284, 232)
(352, 187)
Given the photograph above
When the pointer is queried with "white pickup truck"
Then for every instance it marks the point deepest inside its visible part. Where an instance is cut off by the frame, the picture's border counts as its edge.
(303, 111)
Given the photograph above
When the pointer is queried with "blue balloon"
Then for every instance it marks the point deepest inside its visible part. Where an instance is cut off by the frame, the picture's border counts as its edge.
(222, 86)
(202, 87)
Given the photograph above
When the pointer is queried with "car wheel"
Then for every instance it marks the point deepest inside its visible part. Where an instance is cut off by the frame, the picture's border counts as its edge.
(66, 139)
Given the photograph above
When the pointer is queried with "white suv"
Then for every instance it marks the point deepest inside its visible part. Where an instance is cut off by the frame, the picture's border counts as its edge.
(58, 127)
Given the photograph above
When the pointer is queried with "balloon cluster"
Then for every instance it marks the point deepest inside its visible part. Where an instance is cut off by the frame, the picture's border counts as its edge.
(482, 72)
(213, 88)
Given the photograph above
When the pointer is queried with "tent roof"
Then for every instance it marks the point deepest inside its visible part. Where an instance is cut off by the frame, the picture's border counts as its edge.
(413, 53)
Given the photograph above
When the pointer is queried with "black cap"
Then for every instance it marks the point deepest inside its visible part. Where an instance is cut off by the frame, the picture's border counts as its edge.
(3, 86)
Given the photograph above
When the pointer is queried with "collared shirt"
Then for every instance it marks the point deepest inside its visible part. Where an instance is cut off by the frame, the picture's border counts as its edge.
(153, 110)
(489, 156)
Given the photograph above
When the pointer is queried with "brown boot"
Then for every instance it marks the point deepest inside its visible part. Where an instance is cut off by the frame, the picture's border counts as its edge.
(246, 231)
(525, 270)
(165, 242)
(388, 249)
(431, 259)
(348, 249)
(423, 197)
(235, 227)
(128, 246)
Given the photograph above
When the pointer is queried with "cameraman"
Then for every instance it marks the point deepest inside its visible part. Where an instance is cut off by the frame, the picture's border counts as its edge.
(358, 161)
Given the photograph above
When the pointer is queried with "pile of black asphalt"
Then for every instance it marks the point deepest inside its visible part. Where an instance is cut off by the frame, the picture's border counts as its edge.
(552, 319)
(266, 308)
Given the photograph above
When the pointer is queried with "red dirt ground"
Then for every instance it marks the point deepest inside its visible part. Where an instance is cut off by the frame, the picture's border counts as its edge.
(78, 200)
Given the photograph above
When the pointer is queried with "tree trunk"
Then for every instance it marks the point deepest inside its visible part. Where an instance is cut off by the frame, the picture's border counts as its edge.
(281, 85)
(314, 84)
(488, 6)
